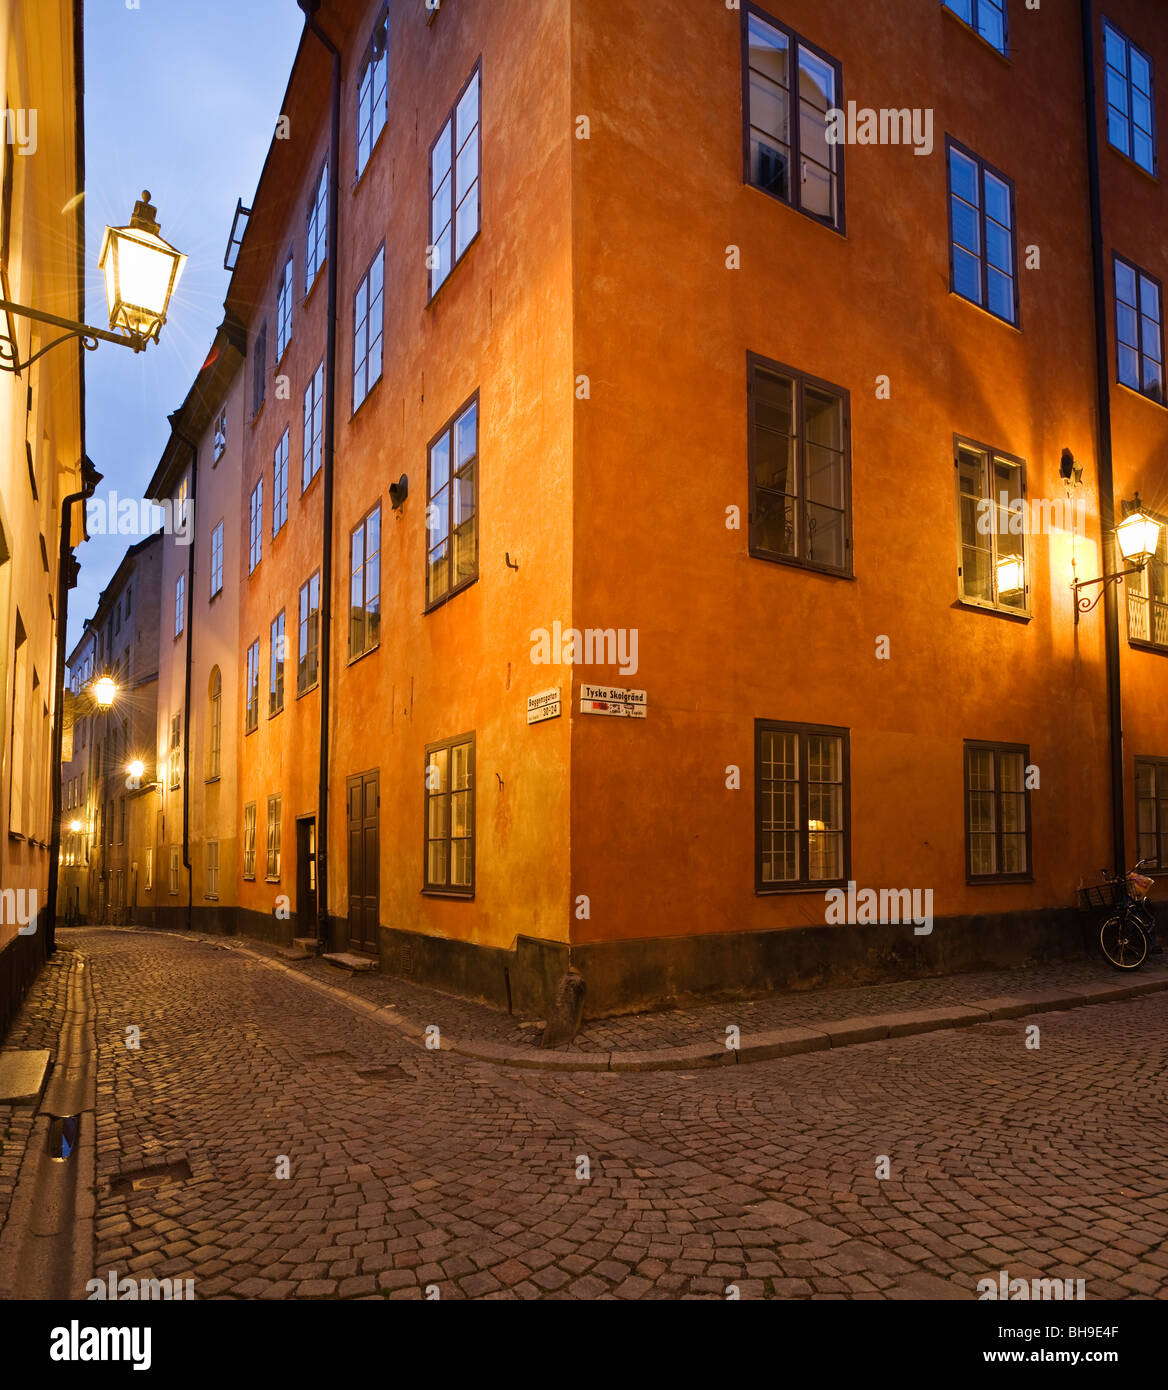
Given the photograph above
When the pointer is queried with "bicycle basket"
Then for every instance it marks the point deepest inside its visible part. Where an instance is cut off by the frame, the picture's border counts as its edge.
(1140, 884)
(1098, 895)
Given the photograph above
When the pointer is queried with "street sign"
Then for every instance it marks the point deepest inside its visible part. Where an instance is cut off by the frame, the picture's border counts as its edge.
(612, 700)
(545, 705)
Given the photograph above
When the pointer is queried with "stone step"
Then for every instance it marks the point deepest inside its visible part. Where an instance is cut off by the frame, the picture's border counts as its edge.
(22, 1076)
(310, 945)
(347, 961)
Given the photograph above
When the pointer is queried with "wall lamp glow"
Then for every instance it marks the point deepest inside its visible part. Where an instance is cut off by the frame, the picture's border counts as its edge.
(1138, 537)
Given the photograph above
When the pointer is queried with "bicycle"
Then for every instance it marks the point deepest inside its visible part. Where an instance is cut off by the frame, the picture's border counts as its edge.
(1126, 935)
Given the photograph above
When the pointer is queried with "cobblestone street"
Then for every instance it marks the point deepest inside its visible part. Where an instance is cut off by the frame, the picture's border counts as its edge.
(411, 1168)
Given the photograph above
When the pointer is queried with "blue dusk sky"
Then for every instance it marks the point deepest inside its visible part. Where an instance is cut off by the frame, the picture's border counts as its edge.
(181, 98)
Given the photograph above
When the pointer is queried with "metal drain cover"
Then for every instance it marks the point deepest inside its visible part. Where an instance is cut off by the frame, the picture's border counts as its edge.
(157, 1175)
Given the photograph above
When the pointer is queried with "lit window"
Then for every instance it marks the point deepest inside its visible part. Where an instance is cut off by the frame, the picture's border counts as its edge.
(802, 834)
(991, 494)
(1152, 811)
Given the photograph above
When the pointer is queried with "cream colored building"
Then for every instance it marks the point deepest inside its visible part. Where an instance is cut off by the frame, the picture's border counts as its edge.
(41, 448)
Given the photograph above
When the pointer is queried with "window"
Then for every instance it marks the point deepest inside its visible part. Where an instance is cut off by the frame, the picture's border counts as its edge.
(215, 724)
(313, 427)
(450, 815)
(802, 812)
(121, 820)
(365, 589)
(284, 310)
(118, 618)
(997, 811)
(18, 757)
(982, 250)
(452, 557)
(274, 808)
(992, 564)
(372, 92)
(256, 521)
(367, 315)
(129, 595)
(252, 719)
(307, 665)
(249, 839)
(220, 440)
(799, 460)
(174, 752)
(1152, 811)
(149, 885)
(787, 154)
(316, 233)
(212, 869)
(180, 603)
(280, 484)
(1139, 330)
(1147, 598)
(174, 867)
(986, 17)
(217, 560)
(454, 185)
(276, 666)
(259, 368)
(1131, 126)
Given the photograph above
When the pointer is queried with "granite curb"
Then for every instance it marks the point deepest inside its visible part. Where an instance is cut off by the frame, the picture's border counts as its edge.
(757, 1047)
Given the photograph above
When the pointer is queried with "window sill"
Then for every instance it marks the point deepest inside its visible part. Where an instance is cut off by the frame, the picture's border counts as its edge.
(810, 216)
(434, 293)
(305, 487)
(315, 279)
(248, 732)
(308, 689)
(208, 780)
(981, 38)
(994, 880)
(355, 660)
(989, 313)
(1154, 648)
(1129, 161)
(368, 392)
(210, 897)
(829, 571)
(1015, 615)
(788, 889)
(273, 713)
(217, 594)
(450, 593)
(1141, 395)
(268, 878)
(255, 419)
(249, 878)
(364, 169)
(465, 895)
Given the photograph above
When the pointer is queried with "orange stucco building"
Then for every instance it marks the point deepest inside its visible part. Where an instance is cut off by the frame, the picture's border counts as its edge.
(555, 334)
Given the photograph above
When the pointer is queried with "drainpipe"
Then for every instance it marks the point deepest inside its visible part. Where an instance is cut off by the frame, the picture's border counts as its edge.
(1106, 476)
(90, 477)
(188, 623)
(310, 8)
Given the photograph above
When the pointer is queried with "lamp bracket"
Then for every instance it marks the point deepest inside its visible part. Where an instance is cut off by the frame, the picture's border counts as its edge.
(10, 360)
(1086, 605)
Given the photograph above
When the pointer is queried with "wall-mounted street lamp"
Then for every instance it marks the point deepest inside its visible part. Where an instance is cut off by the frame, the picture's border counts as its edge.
(141, 272)
(75, 827)
(104, 692)
(1138, 536)
(136, 768)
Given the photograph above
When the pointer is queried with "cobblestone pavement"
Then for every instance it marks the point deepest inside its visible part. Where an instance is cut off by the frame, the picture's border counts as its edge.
(36, 1026)
(412, 1169)
(700, 1023)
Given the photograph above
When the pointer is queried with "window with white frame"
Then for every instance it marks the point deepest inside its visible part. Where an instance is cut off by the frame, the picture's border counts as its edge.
(256, 525)
(180, 604)
(276, 666)
(280, 484)
(372, 92)
(252, 694)
(455, 159)
(367, 325)
(308, 662)
(220, 443)
(284, 310)
(365, 591)
(275, 805)
(316, 232)
(217, 560)
(313, 427)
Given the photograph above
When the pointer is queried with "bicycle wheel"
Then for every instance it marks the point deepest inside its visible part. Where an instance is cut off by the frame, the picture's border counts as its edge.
(1123, 942)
